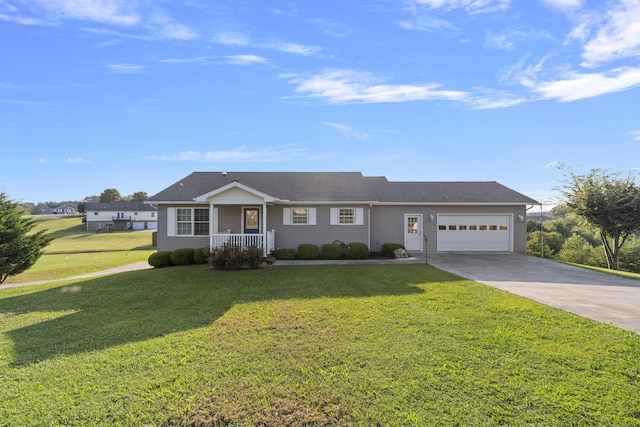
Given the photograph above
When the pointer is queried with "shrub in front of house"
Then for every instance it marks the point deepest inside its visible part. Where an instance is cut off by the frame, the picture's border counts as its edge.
(285, 254)
(160, 259)
(389, 248)
(182, 256)
(308, 251)
(357, 250)
(231, 257)
(331, 251)
(201, 255)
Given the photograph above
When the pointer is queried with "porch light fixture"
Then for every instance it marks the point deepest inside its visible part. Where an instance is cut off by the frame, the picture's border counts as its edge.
(521, 217)
(432, 217)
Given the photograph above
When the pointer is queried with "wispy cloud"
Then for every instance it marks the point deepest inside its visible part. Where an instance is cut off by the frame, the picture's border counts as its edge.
(618, 38)
(242, 153)
(565, 4)
(471, 6)
(125, 68)
(76, 160)
(338, 86)
(23, 102)
(634, 136)
(148, 19)
(239, 39)
(347, 131)
(247, 59)
(554, 164)
(197, 59)
(577, 86)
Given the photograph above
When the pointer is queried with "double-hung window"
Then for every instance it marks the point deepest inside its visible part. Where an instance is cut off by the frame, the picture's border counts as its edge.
(189, 221)
(347, 216)
(299, 216)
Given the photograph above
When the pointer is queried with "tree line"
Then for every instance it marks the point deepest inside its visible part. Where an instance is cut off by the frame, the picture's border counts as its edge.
(598, 224)
(107, 196)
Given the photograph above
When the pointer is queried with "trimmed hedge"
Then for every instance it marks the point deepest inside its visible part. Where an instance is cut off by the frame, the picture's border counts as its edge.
(308, 251)
(201, 255)
(160, 259)
(331, 251)
(285, 254)
(182, 256)
(357, 250)
(389, 248)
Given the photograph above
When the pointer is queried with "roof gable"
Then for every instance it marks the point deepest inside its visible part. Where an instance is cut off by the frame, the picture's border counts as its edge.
(282, 186)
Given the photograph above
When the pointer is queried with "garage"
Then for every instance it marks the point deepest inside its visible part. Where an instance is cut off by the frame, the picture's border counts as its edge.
(475, 232)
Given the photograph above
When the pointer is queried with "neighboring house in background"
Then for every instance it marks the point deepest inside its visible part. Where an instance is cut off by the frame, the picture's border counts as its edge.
(59, 210)
(118, 216)
(285, 209)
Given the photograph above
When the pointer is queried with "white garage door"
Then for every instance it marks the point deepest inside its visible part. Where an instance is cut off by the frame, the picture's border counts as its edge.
(475, 232)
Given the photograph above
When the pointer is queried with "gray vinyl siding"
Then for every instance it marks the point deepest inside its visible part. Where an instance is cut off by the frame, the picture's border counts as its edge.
(388, 223)
(166, 243)
(290, 236)
(286, 236)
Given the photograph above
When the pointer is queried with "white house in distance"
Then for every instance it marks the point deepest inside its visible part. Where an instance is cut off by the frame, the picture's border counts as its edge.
(119, 216)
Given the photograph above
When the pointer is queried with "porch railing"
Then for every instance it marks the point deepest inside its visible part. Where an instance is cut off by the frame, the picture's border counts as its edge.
(245, 240)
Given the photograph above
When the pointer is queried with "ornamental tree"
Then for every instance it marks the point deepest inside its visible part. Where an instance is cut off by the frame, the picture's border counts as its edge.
(609, 202)
(19, 248)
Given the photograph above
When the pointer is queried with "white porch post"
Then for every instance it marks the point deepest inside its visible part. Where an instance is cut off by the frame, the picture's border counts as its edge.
(264, 227)
(211, 222)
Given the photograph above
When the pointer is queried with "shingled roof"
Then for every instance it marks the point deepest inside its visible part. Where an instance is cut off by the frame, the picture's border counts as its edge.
(296, 186)
(446, 192)
(341, 187)
(119, 206)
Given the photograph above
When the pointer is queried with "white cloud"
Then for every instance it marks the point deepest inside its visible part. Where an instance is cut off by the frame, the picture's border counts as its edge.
(618, 38)
(634, 136)
(580, 86)
(347, 86)
(553, 164)
(147, 17)
(76, 160)
(247, 59)
(565, 4)
(347, 131)
(196, 59)
(424, 22)
(471, 6)
(242, 153)
(116, 12)
(125, 68)
(238, 39)
(23, 102)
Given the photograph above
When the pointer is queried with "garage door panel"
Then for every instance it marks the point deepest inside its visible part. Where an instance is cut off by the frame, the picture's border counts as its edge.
(474, 232)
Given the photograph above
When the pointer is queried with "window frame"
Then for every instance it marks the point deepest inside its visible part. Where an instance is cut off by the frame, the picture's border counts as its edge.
(191, 222)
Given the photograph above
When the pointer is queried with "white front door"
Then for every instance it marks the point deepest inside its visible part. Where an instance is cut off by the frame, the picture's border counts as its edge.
(413, 232)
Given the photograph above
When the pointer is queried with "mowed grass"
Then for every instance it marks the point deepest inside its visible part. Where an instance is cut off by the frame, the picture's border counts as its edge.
(307, 345)
(75, 251)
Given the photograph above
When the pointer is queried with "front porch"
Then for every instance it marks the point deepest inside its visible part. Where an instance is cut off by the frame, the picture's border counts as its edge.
(265, 241)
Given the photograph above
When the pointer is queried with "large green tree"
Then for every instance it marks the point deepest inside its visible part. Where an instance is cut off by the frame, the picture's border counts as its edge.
(608, 201)
(110, 195)
(139, 196)
(19, 248)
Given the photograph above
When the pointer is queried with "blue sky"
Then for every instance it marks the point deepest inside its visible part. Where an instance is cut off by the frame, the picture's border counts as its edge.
(136, 94)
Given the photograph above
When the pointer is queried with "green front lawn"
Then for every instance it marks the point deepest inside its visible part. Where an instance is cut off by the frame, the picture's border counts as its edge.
(312, 345)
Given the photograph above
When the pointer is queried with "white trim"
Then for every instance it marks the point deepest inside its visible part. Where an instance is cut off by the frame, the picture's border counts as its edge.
(358, 216)
(171, 222)
(235, 184)
(419, 237)
(287, 216)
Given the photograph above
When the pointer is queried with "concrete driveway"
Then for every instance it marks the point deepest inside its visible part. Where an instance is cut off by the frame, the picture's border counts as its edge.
(590, 294)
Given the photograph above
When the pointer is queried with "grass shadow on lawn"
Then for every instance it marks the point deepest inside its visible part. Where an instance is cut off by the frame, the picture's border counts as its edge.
(135, 306)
